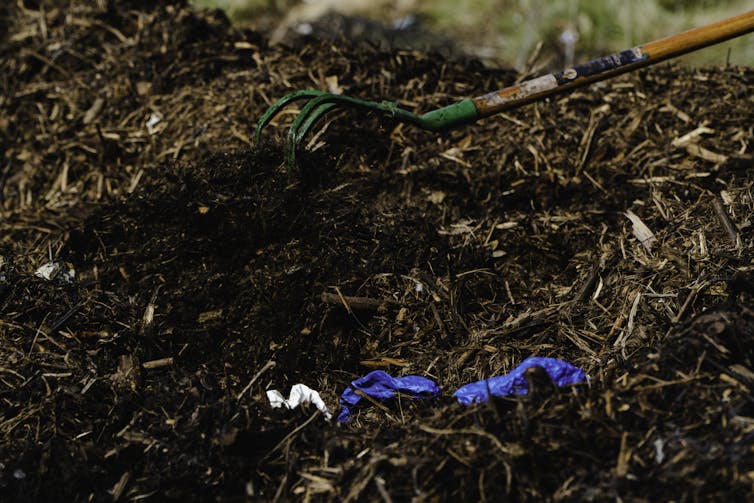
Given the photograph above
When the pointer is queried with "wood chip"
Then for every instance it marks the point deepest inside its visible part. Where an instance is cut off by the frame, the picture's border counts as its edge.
(641, 232)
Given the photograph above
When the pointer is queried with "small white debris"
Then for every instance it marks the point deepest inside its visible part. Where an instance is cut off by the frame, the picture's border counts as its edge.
(404, 23)
(569, 36)
(62, 272)
(641, 232)
(300, 394)
(659, 450)
(304, 29)
(152, 123)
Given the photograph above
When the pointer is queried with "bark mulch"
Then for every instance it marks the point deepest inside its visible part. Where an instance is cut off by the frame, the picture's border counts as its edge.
(205, 274)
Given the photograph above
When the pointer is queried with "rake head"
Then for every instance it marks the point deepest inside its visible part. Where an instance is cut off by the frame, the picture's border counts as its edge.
(320, 103)
(469, 110)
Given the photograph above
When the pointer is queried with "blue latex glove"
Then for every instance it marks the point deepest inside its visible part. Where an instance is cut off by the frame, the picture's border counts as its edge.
(561, 373)
(382, 386)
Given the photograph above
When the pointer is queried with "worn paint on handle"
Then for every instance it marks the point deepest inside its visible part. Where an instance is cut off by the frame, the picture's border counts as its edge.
(600, 65)
(517, 93)
(530, 90)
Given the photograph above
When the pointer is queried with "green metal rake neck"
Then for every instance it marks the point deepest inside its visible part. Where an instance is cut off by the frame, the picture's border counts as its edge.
(470, 110)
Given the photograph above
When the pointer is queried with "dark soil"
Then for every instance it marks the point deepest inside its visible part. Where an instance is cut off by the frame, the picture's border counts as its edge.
(125, 137)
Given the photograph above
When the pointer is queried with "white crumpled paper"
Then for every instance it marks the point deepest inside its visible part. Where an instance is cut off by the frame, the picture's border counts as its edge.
(58, 271)
(300, 394)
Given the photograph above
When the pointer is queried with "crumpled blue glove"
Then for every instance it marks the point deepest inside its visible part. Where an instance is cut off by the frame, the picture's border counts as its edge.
(561, 373)
(382, 386)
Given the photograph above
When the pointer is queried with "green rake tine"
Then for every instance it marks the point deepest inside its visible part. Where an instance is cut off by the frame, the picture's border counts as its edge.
(283, 102)
(296, 134)
(309, 115)
(317, 107)
(311, 120)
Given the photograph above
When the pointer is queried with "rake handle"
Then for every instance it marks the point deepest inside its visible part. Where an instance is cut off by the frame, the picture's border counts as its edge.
(469, 110)
(616, 64)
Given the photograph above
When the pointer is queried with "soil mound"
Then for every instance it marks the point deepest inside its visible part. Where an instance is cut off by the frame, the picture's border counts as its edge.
(206, 274)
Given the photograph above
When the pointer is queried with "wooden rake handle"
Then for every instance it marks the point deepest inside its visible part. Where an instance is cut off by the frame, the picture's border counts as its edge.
(616, 64)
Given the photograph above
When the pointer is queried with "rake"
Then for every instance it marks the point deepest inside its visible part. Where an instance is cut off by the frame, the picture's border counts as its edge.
(470, 110)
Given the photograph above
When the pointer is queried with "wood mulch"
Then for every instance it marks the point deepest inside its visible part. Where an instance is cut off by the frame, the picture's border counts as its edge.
(611, 228)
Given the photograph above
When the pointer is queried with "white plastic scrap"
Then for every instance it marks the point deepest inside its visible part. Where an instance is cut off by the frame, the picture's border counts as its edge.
(59, 271)
(300, 394)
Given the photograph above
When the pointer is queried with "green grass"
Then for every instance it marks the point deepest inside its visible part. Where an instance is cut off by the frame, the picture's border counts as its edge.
(507, 31)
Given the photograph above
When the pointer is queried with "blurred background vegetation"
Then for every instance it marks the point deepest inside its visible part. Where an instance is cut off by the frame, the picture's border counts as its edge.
(500, 32)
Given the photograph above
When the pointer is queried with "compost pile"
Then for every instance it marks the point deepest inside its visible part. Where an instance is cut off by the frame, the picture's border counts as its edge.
(610, 228)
